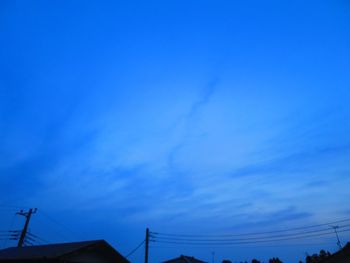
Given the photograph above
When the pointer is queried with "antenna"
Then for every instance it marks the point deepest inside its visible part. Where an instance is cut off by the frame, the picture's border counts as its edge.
(336, 234)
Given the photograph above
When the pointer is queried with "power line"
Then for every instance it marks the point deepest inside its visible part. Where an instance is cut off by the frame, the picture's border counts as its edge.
(28, 238)
(271, 245)
(245, 238)
(47, 218)
(11, 225)
(135, 249)
(53, 220)
(250, 234)
(23, 237)
(247, 242)
(38, 238)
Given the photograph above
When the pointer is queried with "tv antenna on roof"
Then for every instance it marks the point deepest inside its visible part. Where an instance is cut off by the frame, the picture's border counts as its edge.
(336, 234)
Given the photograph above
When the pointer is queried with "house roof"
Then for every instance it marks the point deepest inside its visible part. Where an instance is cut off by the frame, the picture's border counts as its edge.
(55, 251)
(184, 259)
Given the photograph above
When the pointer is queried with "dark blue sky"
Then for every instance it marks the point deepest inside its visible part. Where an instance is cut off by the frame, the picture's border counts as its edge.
(184, 116)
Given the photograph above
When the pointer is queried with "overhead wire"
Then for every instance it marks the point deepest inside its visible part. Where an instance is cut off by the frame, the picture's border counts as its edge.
(264, 245)
(310, 231)
(135, 249)
(246, 238)
(250, 234)
(14, 234)
(10, 227)
(62, 226)
(38, 238)
(248, 242)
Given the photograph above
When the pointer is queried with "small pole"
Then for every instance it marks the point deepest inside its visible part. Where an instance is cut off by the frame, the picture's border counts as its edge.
(146, 245)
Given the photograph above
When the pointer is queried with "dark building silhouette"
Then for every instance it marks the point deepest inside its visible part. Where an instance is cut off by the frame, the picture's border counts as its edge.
(184, 259)
(342, 256)
(97, 251)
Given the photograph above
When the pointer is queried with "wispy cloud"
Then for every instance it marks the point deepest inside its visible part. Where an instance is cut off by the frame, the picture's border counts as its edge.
(268, 220)
(203, 99)
(293, 163)
(186, 121)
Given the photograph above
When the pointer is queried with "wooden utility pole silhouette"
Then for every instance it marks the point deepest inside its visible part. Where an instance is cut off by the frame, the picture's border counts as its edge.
(27, 215)
(146, 245)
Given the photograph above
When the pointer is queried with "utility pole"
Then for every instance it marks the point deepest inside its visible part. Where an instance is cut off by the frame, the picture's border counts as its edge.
(336, 234)
(146, 245)
(27, 215)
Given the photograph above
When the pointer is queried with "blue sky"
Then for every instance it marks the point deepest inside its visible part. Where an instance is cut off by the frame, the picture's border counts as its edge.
(183, 116)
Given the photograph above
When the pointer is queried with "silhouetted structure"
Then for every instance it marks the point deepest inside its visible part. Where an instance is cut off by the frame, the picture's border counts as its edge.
(317, 258)
(184, 259)
(98, 251)
(342, 256)
(275, 260)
